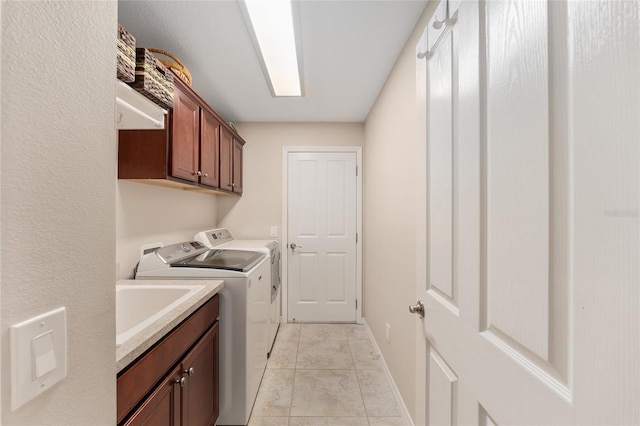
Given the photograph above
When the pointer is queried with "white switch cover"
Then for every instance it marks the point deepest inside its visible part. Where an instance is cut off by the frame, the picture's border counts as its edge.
(38, 355)
(274, 231)
(44, 357)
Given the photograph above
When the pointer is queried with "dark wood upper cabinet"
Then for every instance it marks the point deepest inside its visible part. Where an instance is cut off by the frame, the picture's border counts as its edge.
(197, 150)
(230, 162)
(238, 147)
(184, 119)
(209, 149)
(226, 160)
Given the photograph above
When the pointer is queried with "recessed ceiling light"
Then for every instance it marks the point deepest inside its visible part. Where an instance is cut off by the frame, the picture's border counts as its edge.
(272, 24)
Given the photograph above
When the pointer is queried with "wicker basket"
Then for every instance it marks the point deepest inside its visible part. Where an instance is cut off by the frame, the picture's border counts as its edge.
(178, 67)
(126, 56)
(153, 79)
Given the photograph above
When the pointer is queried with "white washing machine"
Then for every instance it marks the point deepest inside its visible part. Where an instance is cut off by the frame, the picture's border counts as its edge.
(222, 238)
(243, 312)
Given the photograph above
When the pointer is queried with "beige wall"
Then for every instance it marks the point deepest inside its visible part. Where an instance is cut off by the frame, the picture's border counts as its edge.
(390, 179)
(58, 190)
(260, 207)
(46, 116)
(148, 214)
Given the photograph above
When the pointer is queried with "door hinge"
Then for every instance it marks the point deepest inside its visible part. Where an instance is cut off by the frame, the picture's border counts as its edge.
(356, 303)
(356, 237)
(356, 170)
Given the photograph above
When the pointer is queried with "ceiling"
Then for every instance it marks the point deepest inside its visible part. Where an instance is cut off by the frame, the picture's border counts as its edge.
(348, 49)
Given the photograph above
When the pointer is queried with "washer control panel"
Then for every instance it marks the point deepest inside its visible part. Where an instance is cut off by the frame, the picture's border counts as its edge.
(180, 251)
(214, 237)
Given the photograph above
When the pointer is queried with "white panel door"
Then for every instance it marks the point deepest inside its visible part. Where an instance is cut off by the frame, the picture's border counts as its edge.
(321, 237)
(531, 224)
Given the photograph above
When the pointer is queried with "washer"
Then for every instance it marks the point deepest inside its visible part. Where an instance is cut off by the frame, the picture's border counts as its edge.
(243, 313)
(222, 238)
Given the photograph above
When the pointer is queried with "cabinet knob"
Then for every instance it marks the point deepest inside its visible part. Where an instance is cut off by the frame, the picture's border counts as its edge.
(206, 175)
(182, 381)
(191, 371)
(199, 173)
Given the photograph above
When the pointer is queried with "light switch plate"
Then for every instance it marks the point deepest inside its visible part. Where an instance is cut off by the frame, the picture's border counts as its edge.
(38, 355)
(274, 231)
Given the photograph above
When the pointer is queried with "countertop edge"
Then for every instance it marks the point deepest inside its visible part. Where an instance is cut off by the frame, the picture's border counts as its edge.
(138, 344)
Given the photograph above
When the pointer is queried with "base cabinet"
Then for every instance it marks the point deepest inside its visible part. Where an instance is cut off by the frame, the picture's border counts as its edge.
(177, 381)
(162, 407)
(200, 388)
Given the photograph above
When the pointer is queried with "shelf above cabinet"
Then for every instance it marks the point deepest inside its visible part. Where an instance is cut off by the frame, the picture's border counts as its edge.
(135, 112)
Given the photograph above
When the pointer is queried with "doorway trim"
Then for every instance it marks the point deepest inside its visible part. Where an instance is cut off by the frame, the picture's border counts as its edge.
(286, 150)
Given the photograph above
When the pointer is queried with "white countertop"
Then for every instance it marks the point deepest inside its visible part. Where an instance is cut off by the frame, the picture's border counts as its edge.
(139, 343)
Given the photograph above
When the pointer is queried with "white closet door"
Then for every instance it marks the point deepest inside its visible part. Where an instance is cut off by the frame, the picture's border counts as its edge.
(531, 235)
(322, 228)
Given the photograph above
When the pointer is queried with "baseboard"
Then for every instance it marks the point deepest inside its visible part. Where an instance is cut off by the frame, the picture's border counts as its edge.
(405, 413)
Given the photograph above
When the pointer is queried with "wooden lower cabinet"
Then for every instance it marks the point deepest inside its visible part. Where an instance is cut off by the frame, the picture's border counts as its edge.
(162, 407)
(200, 397)
(187, 390)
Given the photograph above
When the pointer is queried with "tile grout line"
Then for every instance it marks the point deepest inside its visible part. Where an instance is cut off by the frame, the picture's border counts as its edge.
(359, 384)
(356, 336)
(295, 372)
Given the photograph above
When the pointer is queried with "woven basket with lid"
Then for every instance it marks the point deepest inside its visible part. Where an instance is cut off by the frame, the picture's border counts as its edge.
(175, 64)
(126, 55)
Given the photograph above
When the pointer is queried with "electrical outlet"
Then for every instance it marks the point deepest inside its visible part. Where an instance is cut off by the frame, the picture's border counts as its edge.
(388, 333)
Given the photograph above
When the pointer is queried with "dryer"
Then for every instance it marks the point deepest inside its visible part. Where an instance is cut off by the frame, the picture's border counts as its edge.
(243, 312)
(222, 238)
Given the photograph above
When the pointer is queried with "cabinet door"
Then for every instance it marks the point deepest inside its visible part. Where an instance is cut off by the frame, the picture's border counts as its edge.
(185, 136)
(209, 149)
(237, 166)
(163, 406)
(216, 371)
(200, 394)
(226, 159)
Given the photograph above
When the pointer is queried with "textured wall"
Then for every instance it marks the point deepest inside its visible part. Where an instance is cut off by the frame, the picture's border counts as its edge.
(391, 174)
(58, 191)
(148, 214)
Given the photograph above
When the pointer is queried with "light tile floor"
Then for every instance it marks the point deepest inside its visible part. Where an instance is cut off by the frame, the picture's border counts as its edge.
(324, 374)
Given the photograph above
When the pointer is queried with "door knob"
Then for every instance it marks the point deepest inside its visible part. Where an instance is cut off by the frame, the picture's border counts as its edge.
(294, 246)
(438, 24)
(418, 308)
